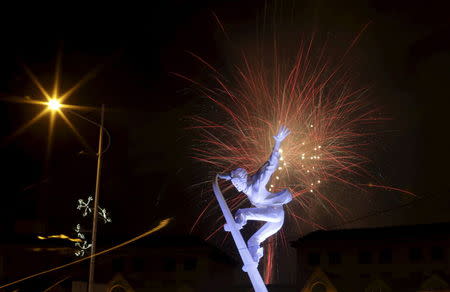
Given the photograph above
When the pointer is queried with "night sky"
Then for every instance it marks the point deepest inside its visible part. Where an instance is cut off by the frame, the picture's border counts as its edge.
(404, 55)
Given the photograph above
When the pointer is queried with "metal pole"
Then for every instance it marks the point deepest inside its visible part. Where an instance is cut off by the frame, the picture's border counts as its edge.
(95, 212)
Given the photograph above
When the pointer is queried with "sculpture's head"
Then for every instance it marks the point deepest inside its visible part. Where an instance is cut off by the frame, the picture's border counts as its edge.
(239, 178)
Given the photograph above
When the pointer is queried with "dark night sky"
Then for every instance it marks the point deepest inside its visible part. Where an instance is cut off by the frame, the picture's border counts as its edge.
(404, 54)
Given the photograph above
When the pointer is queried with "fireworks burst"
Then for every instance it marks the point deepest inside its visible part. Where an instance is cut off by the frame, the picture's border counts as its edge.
(328, 116)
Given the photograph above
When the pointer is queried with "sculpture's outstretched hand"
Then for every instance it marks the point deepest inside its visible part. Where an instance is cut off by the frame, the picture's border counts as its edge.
(283, 132)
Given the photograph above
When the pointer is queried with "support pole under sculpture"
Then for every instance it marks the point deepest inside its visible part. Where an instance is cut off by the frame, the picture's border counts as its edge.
(249, 265)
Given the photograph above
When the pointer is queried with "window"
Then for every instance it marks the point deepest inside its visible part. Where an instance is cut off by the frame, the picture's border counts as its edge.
(334, 258)
(170, 265)
(415, 254)
(314, 259)
(190, 264)
(117, 265)
(437, 253)
(365, 257)
(319, 287)
(385, 256)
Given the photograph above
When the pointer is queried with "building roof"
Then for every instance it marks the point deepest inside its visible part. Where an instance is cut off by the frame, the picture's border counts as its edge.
(425, 231)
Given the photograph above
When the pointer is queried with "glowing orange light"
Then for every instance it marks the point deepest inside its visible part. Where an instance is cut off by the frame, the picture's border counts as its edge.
(60, 236)
(54, 104)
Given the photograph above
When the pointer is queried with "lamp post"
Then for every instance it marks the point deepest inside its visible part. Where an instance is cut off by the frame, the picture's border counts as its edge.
(54, 105)
(97, 192)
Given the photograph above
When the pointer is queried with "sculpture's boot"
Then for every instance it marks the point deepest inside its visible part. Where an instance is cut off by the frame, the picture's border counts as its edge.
(240, 221)
(256, 252)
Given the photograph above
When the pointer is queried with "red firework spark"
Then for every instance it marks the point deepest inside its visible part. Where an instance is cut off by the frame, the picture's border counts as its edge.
(316, 100)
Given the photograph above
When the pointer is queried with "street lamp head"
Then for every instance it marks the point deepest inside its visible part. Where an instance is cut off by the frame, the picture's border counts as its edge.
(54, 104)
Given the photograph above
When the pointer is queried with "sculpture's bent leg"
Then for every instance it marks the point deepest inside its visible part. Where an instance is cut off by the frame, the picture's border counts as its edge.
(267, 230)
(274, 216)
(275, 219)
(268, 214)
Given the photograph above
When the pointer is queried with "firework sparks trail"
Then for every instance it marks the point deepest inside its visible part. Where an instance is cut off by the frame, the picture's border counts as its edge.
(328, 117)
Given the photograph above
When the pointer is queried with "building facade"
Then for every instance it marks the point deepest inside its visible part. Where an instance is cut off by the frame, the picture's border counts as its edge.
(404, 258)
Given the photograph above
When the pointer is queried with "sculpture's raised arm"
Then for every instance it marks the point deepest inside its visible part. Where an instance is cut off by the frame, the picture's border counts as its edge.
(271, 165)
(283, 132)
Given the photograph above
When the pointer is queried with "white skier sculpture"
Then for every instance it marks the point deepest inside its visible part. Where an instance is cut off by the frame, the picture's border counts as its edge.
(268, 206)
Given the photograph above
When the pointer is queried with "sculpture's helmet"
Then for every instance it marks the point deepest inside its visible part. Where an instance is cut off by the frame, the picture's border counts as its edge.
(239, 179)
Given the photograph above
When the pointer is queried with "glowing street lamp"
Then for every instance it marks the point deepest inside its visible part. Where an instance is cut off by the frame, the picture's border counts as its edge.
(54, 104)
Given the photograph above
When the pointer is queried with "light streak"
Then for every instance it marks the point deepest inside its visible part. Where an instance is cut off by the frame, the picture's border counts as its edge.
(161, 225)
(60, 236)
(390, 189)
(56, 284)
